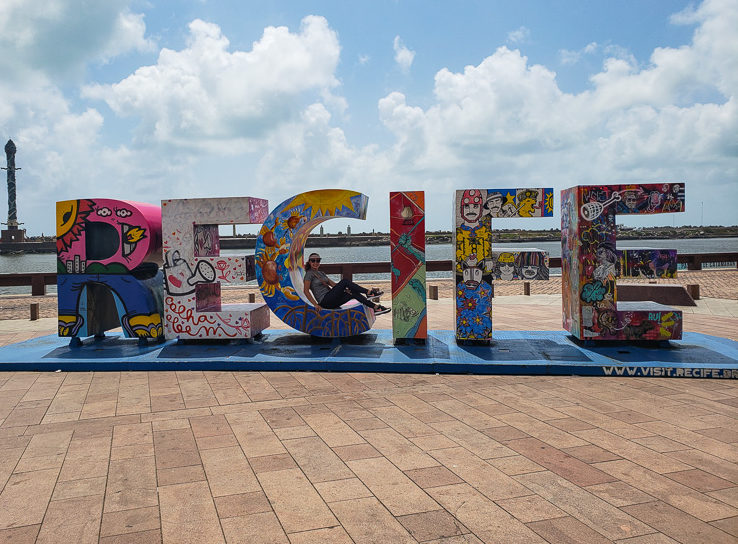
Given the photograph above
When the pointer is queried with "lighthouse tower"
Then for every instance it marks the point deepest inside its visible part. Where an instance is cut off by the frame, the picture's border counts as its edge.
(12, 234)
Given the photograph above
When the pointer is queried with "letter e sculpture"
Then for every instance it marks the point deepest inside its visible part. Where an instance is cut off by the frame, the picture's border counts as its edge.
(194, 270)
(590, 262)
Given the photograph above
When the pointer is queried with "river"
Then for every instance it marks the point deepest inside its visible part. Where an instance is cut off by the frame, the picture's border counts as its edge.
(46, 262)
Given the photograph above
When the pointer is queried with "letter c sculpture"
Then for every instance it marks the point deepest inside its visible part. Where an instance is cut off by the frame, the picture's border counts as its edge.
(279, 262)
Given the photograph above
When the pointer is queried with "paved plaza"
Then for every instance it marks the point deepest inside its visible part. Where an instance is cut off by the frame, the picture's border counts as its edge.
(307, 457)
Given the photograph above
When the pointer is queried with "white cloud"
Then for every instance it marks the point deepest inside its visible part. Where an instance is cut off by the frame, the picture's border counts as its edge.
(506, 121)
(44, 43)
(128, 35)
(203, 97)
(363, 59)
(569, 57)
(58, 37)
(269, 120)
(518, 36)
(687, 16)
(607, 51)
(403, 56)
(207, 96)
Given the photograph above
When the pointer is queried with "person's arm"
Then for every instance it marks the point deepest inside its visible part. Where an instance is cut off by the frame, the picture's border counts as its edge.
(309, 295)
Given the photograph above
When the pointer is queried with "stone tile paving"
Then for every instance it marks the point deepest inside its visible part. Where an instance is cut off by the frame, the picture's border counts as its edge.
(319, 457)
(329, 457)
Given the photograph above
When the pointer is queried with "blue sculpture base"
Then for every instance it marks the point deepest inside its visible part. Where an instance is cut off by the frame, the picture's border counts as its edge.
(512, 352)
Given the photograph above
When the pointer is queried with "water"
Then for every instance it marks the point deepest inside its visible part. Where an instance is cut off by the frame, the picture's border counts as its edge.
(46, 262)
(439, 252)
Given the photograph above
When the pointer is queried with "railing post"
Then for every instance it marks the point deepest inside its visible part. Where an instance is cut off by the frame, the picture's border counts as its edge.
(695, 262)
(694, 290)
(347, 271)
(38, 285)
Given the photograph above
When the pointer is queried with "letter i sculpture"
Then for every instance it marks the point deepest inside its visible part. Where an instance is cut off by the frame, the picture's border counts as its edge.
(478, 263)
(407, 243)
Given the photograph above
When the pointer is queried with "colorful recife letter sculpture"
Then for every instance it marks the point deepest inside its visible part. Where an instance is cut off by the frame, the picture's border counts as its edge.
(477, 264)
(194, 270)
(107, 268)
(635, 262)
(407, 244)
(279, 262)
(519, 264)
(590, 263)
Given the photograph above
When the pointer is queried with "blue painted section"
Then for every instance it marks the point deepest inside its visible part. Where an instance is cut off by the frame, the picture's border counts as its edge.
(513, 352)
(134, 298)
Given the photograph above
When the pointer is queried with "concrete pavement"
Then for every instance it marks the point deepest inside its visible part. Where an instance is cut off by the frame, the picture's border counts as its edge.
(349, 457)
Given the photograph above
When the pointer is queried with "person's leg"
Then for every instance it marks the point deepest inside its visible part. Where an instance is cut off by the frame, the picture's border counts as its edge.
(356, 288)
(338, 295)
(351, 286)
(335, 297)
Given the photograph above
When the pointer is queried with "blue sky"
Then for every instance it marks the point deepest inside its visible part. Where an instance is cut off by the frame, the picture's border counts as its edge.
(149, 100)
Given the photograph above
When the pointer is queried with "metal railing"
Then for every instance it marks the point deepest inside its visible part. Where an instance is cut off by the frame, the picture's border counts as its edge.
(37, 280)
(694, 261)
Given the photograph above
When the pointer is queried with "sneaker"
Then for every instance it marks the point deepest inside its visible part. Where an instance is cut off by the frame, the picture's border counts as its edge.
(374, 293)
(374, 298)
(379, 310)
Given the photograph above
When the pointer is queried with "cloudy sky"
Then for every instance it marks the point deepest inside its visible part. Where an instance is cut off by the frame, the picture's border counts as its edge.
(144, 100)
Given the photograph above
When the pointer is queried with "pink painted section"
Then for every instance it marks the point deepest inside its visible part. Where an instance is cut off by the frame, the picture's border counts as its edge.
(207, 241)
(258, 209)
(136, 231)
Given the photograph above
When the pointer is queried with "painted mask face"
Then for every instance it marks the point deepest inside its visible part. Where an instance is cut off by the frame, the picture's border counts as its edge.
(472, 277)
(631, 200)
(472, 212)
(603, 255)
(471, 205)
(507, 269)
(494, 204)
(608, 321)
(506, 264)
(529, 272)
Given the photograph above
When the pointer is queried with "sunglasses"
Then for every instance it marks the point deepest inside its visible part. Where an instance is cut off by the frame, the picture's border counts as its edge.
(315, 260)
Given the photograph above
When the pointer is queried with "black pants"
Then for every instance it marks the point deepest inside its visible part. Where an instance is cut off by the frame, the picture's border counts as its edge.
(339, 295)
